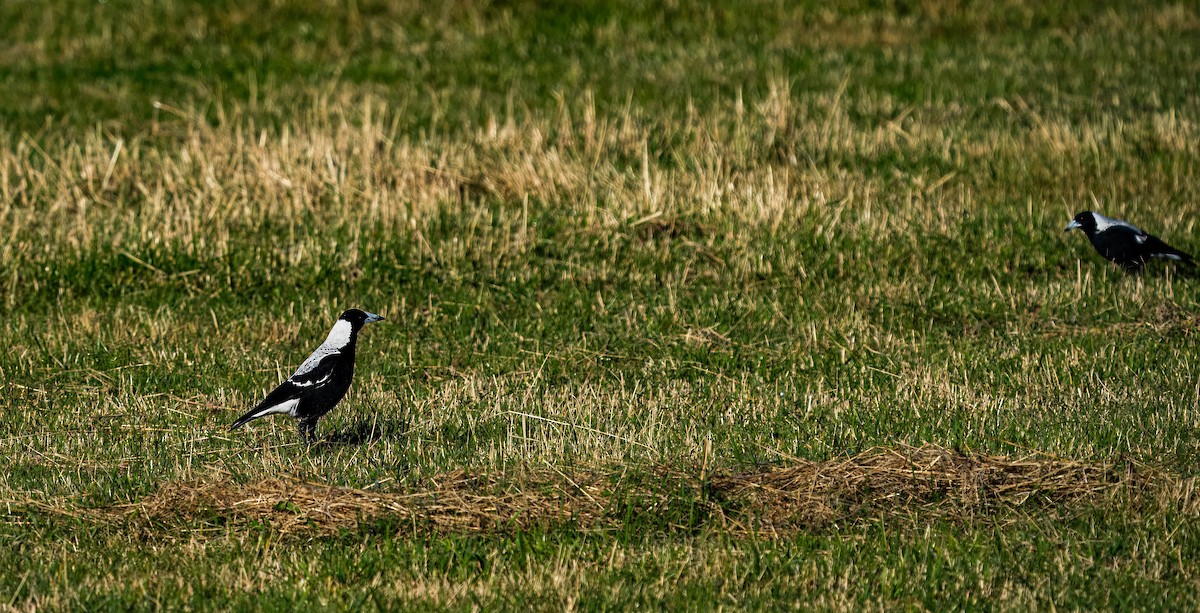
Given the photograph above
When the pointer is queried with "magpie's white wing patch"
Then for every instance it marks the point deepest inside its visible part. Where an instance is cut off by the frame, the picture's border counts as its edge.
(303, 382)
(1104, 223)
(313, 360)
(316, 373)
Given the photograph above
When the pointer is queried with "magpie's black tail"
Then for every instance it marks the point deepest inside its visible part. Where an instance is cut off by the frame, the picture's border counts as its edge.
(1164, 251)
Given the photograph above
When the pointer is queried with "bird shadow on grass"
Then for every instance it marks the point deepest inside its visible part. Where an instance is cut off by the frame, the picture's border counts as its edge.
(366, 431)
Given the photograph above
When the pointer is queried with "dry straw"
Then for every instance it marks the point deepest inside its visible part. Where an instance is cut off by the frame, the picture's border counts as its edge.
(922, 483)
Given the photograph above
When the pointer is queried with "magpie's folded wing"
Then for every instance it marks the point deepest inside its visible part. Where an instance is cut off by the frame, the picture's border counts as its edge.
(317, 374)
(1127, 232)
(302, 382)
(316, 359)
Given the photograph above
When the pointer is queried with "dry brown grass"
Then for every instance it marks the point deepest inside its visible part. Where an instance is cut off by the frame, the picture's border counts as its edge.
(750, 164)
(919, 483)
(935, 481)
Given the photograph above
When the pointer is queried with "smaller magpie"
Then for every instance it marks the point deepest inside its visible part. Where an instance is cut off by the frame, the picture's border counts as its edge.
(320, 382)
(1124, 243)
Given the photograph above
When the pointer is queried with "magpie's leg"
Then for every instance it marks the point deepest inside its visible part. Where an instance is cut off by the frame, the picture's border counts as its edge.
(306, 431)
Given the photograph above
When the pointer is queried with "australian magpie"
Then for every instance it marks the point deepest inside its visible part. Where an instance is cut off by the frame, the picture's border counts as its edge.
(1124, 243)
(320, 382)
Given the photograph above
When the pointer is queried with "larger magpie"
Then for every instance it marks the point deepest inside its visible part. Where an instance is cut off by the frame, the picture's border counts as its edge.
(320, 382)
(1124, 243)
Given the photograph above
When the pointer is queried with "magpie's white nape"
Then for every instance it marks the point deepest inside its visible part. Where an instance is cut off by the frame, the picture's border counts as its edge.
(1123, 243)
(320, 382)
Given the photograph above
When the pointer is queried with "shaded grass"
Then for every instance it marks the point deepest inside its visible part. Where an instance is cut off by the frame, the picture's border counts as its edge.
(452, 67)
(1028, 565)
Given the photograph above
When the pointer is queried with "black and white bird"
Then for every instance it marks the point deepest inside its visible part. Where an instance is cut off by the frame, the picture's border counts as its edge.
(320, 382)
(1124, 243)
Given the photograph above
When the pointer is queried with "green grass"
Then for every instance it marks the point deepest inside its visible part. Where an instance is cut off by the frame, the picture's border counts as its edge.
(886, 566)
(602, 233)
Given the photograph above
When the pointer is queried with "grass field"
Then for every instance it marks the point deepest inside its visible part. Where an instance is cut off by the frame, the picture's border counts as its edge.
(729, 305)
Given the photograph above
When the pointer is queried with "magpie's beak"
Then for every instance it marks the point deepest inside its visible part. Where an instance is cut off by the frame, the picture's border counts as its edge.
(372, 318)
(1073, 225)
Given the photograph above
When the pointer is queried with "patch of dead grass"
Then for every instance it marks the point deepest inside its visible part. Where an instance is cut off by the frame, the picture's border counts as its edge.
(937, 482)
(926, 483)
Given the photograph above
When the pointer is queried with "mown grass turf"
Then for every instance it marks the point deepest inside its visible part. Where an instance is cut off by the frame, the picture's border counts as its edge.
(603, 234)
